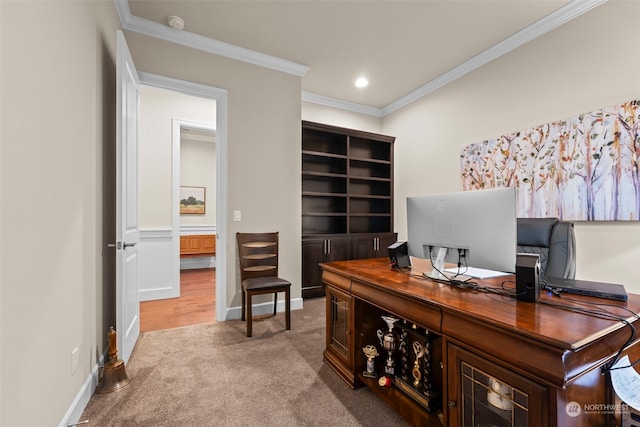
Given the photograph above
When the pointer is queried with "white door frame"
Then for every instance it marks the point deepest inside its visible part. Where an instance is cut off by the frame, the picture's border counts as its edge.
(220, 96)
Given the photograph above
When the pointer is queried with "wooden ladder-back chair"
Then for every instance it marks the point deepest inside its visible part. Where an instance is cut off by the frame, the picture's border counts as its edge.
(258, 254)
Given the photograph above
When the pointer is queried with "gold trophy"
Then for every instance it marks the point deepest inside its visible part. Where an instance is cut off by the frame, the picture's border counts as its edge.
(371, 352)
(388, 342)
(418, 349)
(415, 379)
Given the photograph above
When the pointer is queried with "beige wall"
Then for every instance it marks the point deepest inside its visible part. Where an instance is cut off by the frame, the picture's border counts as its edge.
(158, 107)
(197, 169)
(263, 146)
(581, 66)
(57, 107)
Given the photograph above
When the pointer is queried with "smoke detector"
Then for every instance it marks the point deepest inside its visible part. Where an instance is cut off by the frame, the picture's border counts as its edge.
(176, 22)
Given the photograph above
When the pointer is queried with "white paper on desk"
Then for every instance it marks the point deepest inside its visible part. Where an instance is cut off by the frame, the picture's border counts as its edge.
(626, 383)
(479, 273)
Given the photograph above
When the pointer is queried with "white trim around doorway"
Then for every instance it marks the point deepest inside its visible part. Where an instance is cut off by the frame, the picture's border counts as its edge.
(220, 96)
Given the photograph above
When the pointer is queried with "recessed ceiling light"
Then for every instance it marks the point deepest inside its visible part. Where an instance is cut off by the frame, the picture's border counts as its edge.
(362, 82)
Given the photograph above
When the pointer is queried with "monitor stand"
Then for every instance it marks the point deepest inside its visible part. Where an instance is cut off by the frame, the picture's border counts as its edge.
(438, 265)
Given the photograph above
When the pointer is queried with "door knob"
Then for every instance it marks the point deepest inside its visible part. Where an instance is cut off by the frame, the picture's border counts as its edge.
(120, 245)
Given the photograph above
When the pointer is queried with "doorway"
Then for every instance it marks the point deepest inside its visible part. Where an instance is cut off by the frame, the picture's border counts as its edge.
(179, 293)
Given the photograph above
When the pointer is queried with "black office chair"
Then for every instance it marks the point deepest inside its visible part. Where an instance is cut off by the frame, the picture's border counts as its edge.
(553, 240)
(259, 273)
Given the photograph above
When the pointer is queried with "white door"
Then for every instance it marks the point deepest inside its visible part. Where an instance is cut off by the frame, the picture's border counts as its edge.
(127, 228)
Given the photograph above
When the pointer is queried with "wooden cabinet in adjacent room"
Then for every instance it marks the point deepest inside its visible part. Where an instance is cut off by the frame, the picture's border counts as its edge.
(197, 245)
(347, 198)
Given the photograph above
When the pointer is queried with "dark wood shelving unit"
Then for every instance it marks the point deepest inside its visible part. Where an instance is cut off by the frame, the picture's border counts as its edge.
(347, 198)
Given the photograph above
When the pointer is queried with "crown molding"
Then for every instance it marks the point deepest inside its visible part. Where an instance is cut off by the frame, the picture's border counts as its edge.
(343, 105)
(533, 31)
(205, 44)
(185, 38)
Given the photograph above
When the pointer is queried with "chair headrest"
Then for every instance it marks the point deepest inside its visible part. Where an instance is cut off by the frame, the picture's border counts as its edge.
(535, 231)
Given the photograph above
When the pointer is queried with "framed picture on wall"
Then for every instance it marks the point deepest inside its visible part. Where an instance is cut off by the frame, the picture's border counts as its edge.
(581, 168)
(192, 200)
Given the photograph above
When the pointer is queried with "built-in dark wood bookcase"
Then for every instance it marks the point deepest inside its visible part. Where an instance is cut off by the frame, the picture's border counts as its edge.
(347, 198)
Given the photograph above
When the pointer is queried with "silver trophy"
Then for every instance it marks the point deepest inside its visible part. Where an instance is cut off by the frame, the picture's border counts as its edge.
(388, 342)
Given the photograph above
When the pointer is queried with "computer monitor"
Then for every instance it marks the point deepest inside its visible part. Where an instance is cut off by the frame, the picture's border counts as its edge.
(482, 222)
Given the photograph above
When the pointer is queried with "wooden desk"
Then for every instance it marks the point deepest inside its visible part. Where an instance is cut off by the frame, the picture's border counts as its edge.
(551, 355)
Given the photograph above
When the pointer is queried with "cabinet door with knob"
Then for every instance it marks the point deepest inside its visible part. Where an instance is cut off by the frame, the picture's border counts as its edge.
(314, 251)
(371, 245)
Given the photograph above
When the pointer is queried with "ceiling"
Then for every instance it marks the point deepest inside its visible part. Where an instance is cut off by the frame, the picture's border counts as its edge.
(404, 48)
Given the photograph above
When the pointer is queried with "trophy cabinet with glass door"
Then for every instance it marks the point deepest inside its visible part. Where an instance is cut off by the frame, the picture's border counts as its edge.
(486, 394)
(339, 339)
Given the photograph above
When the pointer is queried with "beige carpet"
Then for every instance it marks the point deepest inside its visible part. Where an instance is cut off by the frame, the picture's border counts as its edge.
(213, 375)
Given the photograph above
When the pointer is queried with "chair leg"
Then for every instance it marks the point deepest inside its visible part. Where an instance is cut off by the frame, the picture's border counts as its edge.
(275, 303)
(243, 305)
(249, 315)
(287, 308)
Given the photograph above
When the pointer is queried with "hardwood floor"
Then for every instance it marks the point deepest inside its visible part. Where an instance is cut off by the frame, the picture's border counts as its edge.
(196, 304)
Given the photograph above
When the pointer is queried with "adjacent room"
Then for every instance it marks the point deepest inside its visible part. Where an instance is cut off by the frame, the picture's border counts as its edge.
(177, 148)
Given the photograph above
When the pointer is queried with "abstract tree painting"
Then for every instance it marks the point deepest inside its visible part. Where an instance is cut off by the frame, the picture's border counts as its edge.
(584, 168)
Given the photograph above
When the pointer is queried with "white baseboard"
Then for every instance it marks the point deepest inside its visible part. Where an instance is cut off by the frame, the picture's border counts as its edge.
(81, 401)
(234, 313)
(197, 263)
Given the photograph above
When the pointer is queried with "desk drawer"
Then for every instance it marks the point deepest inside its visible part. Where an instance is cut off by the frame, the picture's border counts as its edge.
(336, 280)
(425, 315)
